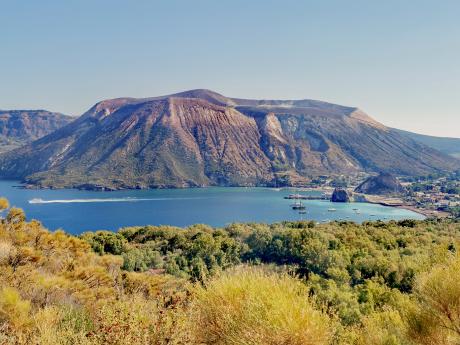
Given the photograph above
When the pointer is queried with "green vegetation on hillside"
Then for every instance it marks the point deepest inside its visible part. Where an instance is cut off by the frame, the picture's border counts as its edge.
(287, 283)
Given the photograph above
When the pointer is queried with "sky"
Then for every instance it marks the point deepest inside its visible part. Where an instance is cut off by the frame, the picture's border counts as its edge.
(399, 61)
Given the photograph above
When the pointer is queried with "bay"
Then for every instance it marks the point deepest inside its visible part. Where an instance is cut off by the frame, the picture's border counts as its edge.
(77, 211)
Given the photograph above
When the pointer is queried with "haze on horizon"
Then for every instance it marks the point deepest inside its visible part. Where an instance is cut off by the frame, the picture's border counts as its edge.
(398, 61)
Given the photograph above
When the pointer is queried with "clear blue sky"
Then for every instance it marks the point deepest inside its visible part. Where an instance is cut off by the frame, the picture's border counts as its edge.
(397, 60)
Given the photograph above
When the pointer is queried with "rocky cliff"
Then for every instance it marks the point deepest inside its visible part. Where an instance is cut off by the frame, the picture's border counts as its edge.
(19, 127)
(340, 195)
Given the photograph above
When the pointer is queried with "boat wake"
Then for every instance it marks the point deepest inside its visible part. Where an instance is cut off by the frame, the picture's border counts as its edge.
(127, 199)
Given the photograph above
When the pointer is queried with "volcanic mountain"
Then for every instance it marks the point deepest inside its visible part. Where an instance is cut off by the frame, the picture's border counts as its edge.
(19, 127)
(201, 138)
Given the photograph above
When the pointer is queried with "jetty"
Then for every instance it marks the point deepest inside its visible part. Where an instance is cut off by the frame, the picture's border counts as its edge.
(307, 197)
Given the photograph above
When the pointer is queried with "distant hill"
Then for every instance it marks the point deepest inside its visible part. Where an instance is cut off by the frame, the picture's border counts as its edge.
(383, 184)
(19, 127)
(449, 146)
(201, 138)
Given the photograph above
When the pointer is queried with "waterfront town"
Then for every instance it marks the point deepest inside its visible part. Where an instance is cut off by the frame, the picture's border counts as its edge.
(433, 195)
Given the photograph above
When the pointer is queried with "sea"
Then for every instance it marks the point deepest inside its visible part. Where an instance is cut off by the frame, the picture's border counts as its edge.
(77, 211)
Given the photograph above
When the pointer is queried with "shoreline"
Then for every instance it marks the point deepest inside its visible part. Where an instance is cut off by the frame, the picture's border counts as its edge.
(103, 188)
(426, 213)
(398, 203)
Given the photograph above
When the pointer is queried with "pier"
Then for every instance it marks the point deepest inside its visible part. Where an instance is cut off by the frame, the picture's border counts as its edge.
(307, 197)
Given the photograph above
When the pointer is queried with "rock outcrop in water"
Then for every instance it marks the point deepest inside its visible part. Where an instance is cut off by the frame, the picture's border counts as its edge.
(340, 195)
(201, 138)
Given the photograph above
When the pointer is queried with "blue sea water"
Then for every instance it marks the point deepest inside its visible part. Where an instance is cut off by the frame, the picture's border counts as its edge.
(77, 211)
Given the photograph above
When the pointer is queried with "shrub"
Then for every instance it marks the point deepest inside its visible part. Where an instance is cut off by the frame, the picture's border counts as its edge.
(249, 306)
(14, 311)
(436, 319)
(4, 204)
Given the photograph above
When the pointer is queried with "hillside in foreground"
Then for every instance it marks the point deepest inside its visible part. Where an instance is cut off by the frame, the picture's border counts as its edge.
(201, 138)
(288, 283)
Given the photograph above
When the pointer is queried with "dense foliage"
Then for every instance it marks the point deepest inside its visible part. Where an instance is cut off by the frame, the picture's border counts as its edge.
(55, 290)
(287, 283)
(352, 269)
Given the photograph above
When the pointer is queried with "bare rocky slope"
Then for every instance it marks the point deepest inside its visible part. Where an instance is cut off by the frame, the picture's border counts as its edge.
(450, 146)
(383, 184)
(19, 127)
(201, 138)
